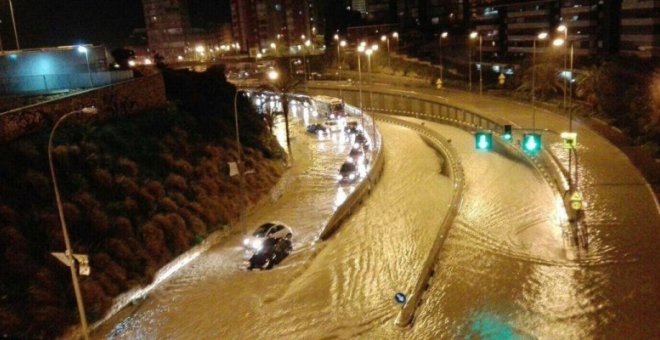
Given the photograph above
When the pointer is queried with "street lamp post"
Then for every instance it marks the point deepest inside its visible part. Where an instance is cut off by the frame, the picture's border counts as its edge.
(540, 36)
(67, 243)
(85, 51)
(305, 64)
(369, 52)
(386, 39)
(443, 35)
(360, 49)
(559, 42)
(473, 35)
(239, 151)
(13, 20)
(564, 29)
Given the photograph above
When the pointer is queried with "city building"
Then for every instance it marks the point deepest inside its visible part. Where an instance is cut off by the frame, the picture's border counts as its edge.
(258, 24)
(167, 24)
(640, 28)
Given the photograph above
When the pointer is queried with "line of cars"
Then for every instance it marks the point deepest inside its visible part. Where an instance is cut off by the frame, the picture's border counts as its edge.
(272, 242)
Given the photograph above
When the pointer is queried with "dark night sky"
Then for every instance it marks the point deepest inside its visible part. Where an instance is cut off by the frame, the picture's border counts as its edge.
(68, 22)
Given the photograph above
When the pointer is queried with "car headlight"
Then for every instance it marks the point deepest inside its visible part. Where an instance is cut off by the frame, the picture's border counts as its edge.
(257, 244)
(246, 242)
(356, 145)
(351, 177)
(340, 177)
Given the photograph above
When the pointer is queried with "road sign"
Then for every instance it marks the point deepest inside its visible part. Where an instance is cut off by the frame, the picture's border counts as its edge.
(570, 140)
(483, 141)
(531, 143)
(576, 201)
(82, 262)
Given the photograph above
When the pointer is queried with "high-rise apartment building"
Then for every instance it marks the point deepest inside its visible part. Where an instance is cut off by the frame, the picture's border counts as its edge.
(509, 27)
(640, 28)
(167, 26)
(258, 23)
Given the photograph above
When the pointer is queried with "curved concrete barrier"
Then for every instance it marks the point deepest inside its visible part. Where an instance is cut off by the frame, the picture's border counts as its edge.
(441, 144)
(345, 209)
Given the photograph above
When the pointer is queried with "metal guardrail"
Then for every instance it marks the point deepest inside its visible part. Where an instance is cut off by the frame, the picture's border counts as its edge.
(414, 105)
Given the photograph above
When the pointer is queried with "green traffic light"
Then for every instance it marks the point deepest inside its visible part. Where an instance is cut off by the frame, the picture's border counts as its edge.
(531, 143)
(508, 135)
(483, 141)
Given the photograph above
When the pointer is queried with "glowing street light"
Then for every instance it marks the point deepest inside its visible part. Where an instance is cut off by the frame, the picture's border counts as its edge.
(474, 35)
(443, 35)
(273, 75)
(540, 36)
(65, 233)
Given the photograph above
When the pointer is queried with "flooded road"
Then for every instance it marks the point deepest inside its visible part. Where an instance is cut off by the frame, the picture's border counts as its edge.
(504, 270)
(335, 287)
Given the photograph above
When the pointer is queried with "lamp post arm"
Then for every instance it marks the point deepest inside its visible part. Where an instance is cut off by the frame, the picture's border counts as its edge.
(65, 234)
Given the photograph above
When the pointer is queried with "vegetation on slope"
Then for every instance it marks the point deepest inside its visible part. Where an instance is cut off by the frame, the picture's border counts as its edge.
(136, 193)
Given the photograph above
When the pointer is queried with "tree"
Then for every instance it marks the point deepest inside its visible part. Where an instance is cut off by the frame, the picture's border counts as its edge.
(284, 84)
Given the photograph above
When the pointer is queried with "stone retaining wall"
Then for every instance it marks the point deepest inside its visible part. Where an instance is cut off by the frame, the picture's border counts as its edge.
(113, 101)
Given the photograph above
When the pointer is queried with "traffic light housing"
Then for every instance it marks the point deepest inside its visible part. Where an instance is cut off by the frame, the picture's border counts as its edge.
(483, 141)
(508, 135)
(531, 143)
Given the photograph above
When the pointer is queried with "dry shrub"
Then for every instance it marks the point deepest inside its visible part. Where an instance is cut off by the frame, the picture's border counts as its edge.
(39, 295)
(115, 272)
(131, 205)
(128, 167)
(176, 182)
(10, 322)
(39, 183)
(123, 227)
(96, 300)
(198, 189)
(60, 155)
(154, 242)
(120, 251)
(16, 259)
(175, 230)
(145, 199)
(197, 208)
(28, 151)
(179, 198)
(195, 224)
(99, 221)
(103, 178)
(86, 201)
(210, 185)
(214, 151)
(71, 213)
(183, 167)
(8, 215)
(127, 185)
(145, 259)
(208, 167)
(168, 159)
(49, 320)
(89, 148)
(155, 189)
(167, 204)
